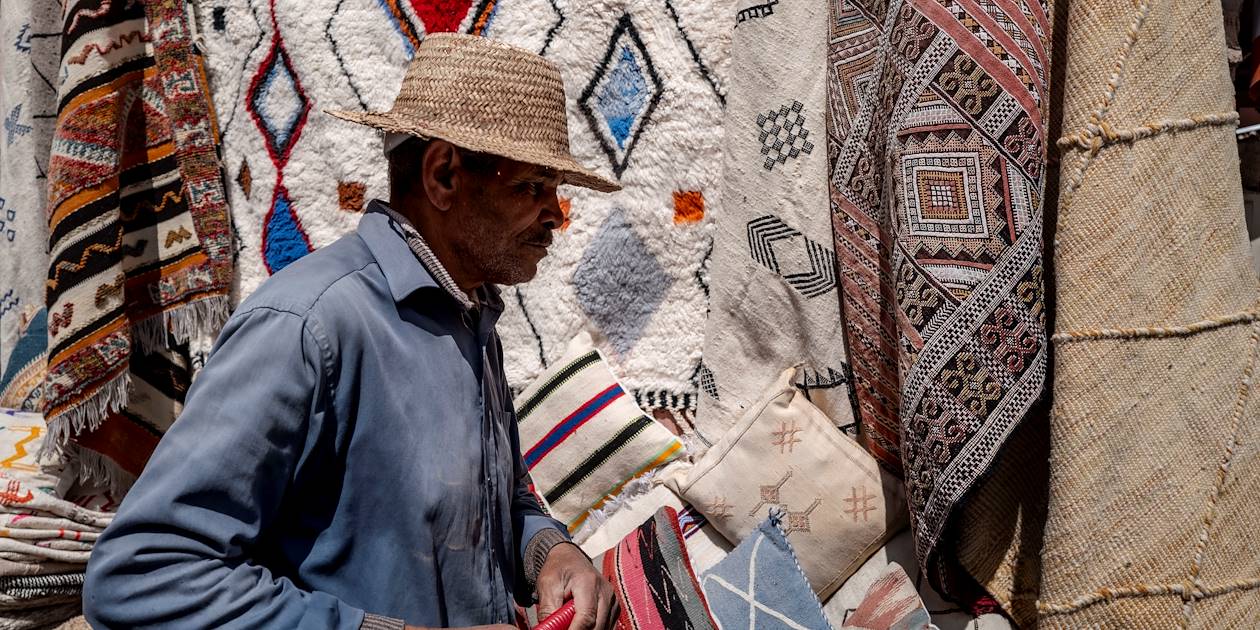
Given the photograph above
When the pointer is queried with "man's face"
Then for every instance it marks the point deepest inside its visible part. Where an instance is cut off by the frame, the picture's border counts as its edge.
(504, 221)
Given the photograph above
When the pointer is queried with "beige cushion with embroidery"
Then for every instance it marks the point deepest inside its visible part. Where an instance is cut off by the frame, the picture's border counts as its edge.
(839, 506)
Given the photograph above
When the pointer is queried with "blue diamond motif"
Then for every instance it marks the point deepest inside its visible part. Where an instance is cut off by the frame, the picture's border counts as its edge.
(278, 103)
(621, 96)
(284, 241)
(619, 282)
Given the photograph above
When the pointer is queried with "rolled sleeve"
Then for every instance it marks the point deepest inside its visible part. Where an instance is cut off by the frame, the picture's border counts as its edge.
(178, 554)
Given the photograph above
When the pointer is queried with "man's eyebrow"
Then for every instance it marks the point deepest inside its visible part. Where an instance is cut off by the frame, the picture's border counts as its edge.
(542, 176)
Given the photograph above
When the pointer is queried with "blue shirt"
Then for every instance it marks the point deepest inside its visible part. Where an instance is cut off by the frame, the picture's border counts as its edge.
(349, 447)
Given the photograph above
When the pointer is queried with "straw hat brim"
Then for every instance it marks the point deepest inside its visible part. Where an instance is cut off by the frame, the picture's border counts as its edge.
(574, 174)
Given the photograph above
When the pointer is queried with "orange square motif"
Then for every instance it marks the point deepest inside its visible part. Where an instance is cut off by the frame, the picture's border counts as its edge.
(688, 206)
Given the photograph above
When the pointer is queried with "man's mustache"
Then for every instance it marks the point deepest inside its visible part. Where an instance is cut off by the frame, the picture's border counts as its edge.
(542, 238)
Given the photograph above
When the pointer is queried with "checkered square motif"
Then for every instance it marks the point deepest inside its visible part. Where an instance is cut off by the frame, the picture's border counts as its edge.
(944, 198)
(783, 134)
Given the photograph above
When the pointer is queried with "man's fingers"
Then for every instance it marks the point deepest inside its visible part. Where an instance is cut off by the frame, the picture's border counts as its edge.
(607, 607)
(550, 598)
(585, 602)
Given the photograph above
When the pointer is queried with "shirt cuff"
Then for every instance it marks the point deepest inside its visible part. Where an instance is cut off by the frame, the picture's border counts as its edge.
(538, 548)
(377, 622)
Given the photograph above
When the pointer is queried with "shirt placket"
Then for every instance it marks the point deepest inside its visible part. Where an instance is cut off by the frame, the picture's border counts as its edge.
(489, 455)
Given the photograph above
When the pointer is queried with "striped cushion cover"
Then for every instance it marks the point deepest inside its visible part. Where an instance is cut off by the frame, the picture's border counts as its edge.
(583, 437)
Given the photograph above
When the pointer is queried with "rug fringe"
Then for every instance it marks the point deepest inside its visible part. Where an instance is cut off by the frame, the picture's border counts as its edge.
(86, 416)
(596, 518)
(204, 317)
(91, 467)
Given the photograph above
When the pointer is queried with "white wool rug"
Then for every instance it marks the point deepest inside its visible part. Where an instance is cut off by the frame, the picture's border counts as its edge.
(30, 52)
(646, 93)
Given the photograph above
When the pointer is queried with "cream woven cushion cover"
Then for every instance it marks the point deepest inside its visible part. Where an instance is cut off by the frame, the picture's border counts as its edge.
(583, 437)
(839, 505)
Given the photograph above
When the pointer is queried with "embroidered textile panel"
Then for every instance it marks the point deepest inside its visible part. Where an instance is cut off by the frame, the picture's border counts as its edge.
(775, 302)
(838, 504)
(936, 128)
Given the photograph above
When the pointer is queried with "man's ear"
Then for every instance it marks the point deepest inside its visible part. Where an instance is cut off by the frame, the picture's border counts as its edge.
(438, 173)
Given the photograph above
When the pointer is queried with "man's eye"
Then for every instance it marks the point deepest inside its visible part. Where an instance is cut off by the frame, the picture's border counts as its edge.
(532, 188)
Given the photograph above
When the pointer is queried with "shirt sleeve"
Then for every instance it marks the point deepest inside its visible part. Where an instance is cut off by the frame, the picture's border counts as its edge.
(178, 553)
(530, 523)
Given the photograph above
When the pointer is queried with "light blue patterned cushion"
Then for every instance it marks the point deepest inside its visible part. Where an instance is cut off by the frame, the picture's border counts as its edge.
(760, 585)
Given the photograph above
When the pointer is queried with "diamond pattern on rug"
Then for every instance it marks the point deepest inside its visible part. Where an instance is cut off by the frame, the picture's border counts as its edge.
(278, 103)
(804, 264)
(619, 282)
(619, 100)
(359, 50)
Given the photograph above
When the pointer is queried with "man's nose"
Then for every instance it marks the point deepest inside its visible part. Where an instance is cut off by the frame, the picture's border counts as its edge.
(552, 214)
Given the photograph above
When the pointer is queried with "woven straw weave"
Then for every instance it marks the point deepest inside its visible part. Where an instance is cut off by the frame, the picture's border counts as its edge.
(488, 96)
(1155, 426)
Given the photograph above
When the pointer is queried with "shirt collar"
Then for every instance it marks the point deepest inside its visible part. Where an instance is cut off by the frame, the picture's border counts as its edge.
(406, 271)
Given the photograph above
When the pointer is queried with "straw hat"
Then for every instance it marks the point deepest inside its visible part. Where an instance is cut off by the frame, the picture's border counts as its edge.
(485, 96)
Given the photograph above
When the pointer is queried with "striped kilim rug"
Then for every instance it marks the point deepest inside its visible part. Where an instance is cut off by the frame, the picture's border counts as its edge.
(644, 81)
(138, 228)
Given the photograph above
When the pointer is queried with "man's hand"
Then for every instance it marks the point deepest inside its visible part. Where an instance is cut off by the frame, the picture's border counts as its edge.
(567, 574)
(497, 626)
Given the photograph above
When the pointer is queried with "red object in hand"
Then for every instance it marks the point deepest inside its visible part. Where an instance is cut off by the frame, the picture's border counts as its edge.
(560, 619)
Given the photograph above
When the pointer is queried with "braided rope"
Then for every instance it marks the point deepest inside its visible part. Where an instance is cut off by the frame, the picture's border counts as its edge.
(1157, 331)
(1095, 136)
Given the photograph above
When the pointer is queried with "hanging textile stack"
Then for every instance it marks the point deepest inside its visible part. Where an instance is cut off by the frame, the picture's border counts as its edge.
(140, 265)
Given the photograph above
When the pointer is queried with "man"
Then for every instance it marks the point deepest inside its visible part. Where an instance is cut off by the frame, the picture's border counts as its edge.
(348, 458)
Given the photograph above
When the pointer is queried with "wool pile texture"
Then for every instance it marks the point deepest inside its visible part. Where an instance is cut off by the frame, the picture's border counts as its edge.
(140, 262)
(653, 580)
(645, 97)
(936, 120)
(1155, 426)
(29, 58)
(775, 302)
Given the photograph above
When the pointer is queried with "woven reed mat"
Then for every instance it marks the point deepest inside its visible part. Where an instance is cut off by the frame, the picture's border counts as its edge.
(1155, 427)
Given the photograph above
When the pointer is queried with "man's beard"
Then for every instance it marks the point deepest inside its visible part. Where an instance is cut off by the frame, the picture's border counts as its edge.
(497, 256)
